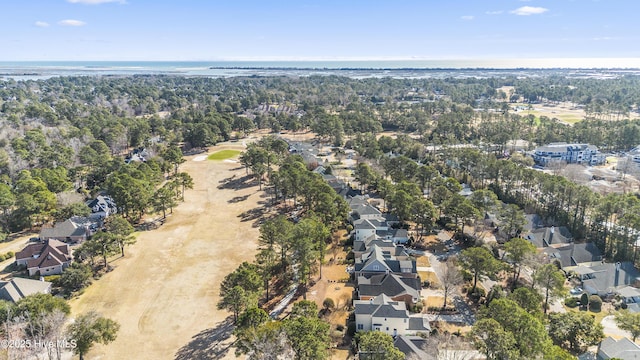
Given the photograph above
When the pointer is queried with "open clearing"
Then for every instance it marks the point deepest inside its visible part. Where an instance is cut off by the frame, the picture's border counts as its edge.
(224, 154)
(164, 292)
(564, 112)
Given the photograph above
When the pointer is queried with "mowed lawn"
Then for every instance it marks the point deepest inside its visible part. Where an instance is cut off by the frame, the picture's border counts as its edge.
(223, 154)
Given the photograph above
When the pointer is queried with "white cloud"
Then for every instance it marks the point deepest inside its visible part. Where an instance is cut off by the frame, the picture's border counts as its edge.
(467, 17)
(71, 22)
(41, 24)
(497, 12)
(96, 2)
(529, 10)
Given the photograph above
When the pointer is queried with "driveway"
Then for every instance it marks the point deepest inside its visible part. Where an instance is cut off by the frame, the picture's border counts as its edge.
(611, 329)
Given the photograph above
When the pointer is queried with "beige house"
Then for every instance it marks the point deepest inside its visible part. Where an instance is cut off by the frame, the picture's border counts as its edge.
(75, 229)
(50, 257)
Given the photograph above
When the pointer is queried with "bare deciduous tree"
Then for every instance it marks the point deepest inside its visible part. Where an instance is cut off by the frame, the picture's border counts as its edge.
(450, 278)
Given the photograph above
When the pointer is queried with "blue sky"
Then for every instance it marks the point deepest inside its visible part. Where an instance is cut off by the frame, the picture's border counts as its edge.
(327, 29)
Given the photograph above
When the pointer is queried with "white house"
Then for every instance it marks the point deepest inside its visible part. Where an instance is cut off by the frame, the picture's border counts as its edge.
(388, 316)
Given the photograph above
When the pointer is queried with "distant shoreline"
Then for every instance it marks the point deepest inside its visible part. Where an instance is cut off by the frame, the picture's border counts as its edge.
(278, 68)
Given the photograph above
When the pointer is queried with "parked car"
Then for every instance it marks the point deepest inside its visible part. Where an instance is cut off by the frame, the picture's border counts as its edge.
(576, 291)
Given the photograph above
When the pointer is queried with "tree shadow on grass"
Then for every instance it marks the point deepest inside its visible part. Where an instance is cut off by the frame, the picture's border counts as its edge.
(211, 343)
(235, 183)
(238, 199)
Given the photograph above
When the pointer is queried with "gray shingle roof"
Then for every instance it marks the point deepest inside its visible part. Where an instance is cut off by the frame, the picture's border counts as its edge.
(389, 284)
(624, 349)
(605, 278)
(18, 288)
(413, 346)
(575, 254)
(548, 236)
(419, 324)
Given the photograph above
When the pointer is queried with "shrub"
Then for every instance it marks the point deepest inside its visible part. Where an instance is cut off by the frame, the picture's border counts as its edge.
(466, 276)
(351, 328)
(584, 299)
(417, 308)
(478, 294)
(328, 304)
(595, 303)
(6, 256)
(571, 302)
(52, 279)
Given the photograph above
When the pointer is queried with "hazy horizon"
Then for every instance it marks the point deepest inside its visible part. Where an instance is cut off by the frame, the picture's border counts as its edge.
(311, 30)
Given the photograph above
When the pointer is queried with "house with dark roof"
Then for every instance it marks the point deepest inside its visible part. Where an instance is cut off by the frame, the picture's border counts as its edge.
(396, 287)
(549, 236)
(572, 255)
(623, 349)
(49, 257)
(362, 246)
(381, 260)
(102, 206)
(606, 278)
(414, 347)
(18, 288)
(391, 317)
(73, 230)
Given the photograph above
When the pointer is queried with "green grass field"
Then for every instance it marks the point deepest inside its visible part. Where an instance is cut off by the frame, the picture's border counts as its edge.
(223, 154)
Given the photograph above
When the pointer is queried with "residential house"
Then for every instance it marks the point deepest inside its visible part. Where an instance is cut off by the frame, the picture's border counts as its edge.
(382, 260)
(365, 211)
(572, 255)
(414, 347)
(398, 236)
(362, 246)
(365, 228)
(623, 349)
(49, 257)
(102, 206)
(396, 287)
(533, 221)
(391, 317)
(631, 297)
(137, 155)
(466, 190)
(606, 278)
(570, 153)
(18, 288)
(549, 236)
(73, 230)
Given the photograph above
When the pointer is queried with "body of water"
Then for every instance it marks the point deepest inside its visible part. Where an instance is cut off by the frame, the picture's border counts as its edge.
(357, 69)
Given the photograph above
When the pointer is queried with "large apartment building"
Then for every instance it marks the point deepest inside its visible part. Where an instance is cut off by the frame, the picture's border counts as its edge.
(570, 153)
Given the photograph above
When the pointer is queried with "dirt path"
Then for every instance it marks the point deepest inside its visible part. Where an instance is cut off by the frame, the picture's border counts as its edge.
(164, 292)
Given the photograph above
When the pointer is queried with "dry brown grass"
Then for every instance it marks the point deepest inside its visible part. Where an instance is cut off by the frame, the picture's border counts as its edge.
(164, 292)
(431, 277)
(435, 300)
(422, 261)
